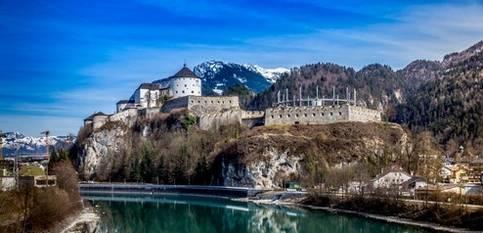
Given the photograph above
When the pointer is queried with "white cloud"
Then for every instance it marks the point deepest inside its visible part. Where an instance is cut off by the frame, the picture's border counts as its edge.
(422, 32)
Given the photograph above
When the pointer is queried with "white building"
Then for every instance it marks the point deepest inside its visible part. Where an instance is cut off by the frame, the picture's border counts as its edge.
(394, 176)
(151, 95)
(147, 95)
(184, 83)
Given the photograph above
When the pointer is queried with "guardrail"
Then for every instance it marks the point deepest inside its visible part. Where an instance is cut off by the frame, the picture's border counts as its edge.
(151, 189)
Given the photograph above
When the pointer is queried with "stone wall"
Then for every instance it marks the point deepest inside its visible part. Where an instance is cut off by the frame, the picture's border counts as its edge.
(128, 116)
(357, 113)
(212, 104)
(99, 121)
(171, 104)
(311, 115)
(215, 120)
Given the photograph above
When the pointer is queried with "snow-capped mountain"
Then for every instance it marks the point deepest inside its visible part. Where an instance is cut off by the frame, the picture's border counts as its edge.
(272, 75)
(32, 145)
(217, 76)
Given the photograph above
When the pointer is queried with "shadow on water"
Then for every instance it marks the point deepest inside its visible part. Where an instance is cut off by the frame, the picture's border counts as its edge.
(180, 214)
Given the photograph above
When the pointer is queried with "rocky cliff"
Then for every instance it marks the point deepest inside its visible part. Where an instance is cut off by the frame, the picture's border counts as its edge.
(268, 157)
(171, 149)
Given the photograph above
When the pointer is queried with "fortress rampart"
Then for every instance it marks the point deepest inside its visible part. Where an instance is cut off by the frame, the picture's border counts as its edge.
(311, 115)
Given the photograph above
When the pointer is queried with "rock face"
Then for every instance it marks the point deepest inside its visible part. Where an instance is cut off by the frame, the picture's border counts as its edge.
(101, 147)
(269, 157)
(265, 173)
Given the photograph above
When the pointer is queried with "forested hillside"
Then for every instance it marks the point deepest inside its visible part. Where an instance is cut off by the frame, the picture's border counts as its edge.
(444, 97)
(451, 105)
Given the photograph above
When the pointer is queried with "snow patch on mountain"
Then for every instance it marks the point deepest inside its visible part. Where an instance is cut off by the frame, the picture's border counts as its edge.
(217, 76)
(27, 145)
(272, 75)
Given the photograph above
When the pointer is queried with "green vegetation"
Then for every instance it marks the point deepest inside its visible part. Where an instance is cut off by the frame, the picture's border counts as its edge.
(175, 152)
(31, 171)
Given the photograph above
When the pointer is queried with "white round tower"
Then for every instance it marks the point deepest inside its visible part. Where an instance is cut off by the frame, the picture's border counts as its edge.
(184, 83)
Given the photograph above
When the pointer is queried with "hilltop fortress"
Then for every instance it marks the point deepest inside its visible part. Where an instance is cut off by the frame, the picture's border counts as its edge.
(183, 91)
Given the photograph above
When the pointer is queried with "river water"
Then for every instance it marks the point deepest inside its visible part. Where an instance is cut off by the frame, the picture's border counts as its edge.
(188, 214)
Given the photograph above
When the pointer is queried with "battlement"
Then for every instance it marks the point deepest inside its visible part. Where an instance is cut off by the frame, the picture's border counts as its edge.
(310, 115)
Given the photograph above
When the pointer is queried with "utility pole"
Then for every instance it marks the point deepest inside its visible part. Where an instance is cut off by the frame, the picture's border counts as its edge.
(333, 95)
(278, 97)
(300, 96)
(1, 144)
(46, 134)
(355, 97)
(15, 166)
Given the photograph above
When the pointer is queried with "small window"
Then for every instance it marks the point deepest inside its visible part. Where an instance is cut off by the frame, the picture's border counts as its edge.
(280, 116)
(230, 101)
(212, 101)
(305, 114)
(182, 92)
(323, 114)
(331, 113)
(272, 116)
(185, 85)
(192, 92)
(206, 102)
(296, 115)
(340, 113)
(218, 101)
(313, 114)
(176, 92)
(288, 115)
(199, 101)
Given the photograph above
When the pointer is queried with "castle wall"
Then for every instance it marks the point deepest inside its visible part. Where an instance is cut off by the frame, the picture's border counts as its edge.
(171, 104)
(357, 113)
(310, 115)
(128, 116)
(215, 120)
(305, 115)
(252, 114)
(99, 121)
(210, 104)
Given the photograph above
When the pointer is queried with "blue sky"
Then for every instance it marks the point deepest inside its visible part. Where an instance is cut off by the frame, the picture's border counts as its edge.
(62, 60)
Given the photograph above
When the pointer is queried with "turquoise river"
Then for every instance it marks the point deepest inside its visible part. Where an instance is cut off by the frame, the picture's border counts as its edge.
(188, 214)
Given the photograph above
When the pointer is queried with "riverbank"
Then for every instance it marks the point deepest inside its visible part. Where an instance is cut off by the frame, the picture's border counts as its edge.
(87, 221)
(271, 198)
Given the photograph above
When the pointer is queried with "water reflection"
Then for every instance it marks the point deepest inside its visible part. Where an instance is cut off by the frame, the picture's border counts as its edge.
(177, 214)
